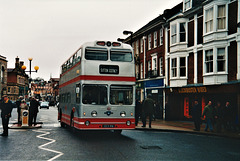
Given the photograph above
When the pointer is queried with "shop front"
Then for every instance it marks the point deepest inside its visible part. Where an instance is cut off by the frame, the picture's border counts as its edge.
(155, 87)
(179, 100)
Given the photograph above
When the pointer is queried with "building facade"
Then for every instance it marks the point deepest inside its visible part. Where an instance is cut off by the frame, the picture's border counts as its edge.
(3, 76)
(17, 81)
(199, 58)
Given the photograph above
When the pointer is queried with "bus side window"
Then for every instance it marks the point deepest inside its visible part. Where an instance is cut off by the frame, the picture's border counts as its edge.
(77, 93)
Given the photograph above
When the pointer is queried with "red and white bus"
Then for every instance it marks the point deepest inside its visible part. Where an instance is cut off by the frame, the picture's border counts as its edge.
(97, 87)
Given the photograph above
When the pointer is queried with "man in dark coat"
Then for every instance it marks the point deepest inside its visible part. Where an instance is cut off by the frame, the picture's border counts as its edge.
(196, 115)
(33, 110)
(18, 102)
(6, 107)
(148, 110)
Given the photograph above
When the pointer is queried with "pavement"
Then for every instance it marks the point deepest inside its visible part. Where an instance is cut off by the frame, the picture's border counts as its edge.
(185, 127)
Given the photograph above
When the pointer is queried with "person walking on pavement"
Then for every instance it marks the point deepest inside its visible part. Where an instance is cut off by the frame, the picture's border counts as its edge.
(219, 117)
(196, 115)
(208, 113)
(137, 111)
(33, 110)
(228, 116)
(148, 109)
(18, 103)
(6, 108)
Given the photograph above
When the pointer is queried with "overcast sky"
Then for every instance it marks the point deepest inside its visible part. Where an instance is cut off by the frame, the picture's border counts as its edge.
(50, 31)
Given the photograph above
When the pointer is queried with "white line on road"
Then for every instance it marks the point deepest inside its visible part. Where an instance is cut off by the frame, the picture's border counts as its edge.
(51, 141)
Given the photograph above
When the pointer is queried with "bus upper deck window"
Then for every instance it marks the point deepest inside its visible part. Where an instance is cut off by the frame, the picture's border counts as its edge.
(121, 55)
(96, 54)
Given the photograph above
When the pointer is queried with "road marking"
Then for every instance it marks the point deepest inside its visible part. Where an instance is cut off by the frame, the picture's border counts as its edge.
(51, 141)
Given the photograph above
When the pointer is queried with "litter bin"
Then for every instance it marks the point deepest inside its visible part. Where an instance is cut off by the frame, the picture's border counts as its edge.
(25, 114)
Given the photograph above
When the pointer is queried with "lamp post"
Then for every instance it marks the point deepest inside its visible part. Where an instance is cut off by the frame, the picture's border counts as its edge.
(30, 71)
(125, 32)
(120, 39)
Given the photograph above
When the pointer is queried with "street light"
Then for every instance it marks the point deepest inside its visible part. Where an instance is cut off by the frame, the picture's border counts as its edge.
(30, 67)
(30, 71)
(119, 39)
(125, 32)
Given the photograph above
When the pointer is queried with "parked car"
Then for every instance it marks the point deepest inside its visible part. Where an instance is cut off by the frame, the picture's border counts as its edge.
(44, 105)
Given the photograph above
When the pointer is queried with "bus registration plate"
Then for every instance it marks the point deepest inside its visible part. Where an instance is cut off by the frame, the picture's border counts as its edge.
(108, 126)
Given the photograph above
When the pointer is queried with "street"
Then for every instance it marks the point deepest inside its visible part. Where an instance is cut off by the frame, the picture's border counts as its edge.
(51, 142)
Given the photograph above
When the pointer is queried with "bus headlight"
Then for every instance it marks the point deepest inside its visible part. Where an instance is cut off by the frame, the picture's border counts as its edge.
(94, 113)
(123, 114)
(87, 123)
(128, 123)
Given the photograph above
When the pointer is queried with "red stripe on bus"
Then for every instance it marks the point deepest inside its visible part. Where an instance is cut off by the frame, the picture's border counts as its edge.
(98, 78)
(97, 123)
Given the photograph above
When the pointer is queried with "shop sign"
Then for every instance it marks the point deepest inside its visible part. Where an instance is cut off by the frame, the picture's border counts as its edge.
(193, 90)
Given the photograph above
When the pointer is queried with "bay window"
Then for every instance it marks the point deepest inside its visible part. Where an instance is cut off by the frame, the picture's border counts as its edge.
(221, 19)
(182, 67)
(174, 67)
(209, 61)
(221, 59)
(173, 34)
(182, 32)
(209, 20)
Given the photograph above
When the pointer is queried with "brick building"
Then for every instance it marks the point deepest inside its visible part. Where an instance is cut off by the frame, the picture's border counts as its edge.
(17, 81)
(3, 75)
(194, 49)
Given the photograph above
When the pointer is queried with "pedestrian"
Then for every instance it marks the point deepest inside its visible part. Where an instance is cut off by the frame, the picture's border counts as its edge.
(18, 102)
(208, 113)
(23, 107)
(218, 117)
(228, 116)
(137, 111)
(33, 111)
(196, 115)
(148, 110)
(6, 108)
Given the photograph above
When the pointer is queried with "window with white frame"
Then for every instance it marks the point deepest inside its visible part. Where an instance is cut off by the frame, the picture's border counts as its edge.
(141, 48)
(174, 67)
(149, 65)
(149, 41)
(209, 20)
(173, 34)
(137, 71)
(154, 63)
(182, 33)
(187, 4)
(141, 68)
(161, 66)
(221, 59)
(137, 47)
(161, 36)
(221, 18)
(209, 61)
(155, 39)
(182, 66)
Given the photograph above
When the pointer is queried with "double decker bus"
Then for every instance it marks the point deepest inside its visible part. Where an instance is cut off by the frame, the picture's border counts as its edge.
(97, 87)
